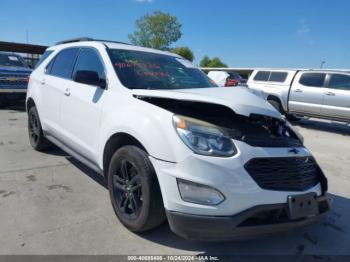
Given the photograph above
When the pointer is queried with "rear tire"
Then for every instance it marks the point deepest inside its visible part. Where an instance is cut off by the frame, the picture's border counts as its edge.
(134, 190)
(36, 136)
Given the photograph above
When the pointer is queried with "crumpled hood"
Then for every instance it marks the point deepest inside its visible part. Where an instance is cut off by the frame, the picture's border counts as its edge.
(239, 99)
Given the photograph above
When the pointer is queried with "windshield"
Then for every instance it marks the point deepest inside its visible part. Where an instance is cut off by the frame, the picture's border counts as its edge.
(143, 70)
(11, 60)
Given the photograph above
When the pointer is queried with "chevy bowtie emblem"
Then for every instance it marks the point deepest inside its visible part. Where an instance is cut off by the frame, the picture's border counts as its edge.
(294, 151)
(12, 79)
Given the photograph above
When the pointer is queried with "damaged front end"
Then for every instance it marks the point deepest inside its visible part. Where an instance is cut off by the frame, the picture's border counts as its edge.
(255, 130)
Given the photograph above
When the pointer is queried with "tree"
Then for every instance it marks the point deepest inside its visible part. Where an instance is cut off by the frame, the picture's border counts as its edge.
(158, 30)
(205, 61)
(184, 52)
(215, 62)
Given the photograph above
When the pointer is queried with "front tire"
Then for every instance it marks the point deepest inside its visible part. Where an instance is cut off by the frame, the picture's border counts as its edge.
(134, 190)
(36, 136)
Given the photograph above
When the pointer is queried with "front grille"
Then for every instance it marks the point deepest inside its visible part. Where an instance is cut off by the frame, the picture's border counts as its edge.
(14, 80)
(284, 173)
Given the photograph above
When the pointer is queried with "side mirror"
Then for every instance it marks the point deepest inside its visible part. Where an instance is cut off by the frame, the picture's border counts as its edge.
(89, 78)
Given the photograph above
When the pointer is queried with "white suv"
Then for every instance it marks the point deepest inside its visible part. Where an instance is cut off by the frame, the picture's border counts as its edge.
(218, 163)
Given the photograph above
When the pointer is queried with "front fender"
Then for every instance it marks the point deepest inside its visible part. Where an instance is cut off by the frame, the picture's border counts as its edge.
(150, 125)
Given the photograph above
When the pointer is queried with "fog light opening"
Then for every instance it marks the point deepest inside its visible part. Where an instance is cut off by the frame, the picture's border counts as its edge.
(199, 194)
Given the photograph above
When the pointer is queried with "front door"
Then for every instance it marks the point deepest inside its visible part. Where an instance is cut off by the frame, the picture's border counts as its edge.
(81, 107)
(306, 94)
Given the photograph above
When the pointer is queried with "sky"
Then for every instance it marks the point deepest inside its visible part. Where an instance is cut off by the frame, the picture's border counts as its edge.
(254, 33)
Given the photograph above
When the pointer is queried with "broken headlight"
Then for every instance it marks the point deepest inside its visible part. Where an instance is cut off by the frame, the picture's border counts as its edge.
(296, 132)
(204, 138)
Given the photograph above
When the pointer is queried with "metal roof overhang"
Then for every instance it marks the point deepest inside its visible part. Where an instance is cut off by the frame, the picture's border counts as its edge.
(22, 48)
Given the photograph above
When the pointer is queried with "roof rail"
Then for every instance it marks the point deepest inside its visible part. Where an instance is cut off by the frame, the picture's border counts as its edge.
(81, 39)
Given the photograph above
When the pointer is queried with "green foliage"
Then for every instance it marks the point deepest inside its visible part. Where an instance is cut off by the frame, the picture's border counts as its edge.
(158, 30)
(185, 52)
(215, 62)
(204, 62)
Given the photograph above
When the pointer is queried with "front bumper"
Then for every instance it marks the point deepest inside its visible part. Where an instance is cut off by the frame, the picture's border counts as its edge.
(256, 221)
(13, 90)
(226, 175)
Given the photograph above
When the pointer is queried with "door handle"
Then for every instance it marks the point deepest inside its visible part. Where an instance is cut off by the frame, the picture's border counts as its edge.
(330, 94)
(67, 92)
(298, 90)
(43, 82)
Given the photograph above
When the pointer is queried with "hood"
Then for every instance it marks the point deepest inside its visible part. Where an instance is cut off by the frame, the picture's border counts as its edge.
(15, 69)
(239, 99)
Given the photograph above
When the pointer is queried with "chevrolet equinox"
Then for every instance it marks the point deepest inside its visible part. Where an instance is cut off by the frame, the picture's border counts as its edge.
(217, 163)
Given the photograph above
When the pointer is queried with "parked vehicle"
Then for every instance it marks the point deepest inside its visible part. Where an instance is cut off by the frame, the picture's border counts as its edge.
(14, 74)
(314, 93)
(235, 76)
(223, 78)
(217, 163)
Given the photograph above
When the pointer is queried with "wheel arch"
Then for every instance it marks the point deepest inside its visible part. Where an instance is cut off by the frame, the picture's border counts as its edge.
(115, 142)
(277, 100)
(274, 98)
(30, 103)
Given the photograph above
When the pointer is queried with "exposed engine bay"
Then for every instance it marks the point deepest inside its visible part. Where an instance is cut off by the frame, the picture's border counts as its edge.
(255, 130)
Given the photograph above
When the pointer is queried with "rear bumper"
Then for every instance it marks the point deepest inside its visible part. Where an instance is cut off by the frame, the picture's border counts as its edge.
(248, 224)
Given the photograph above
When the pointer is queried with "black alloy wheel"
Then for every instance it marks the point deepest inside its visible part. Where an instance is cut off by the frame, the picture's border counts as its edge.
(128, 189)
(36, 136)
(33, 127)
(134, 189)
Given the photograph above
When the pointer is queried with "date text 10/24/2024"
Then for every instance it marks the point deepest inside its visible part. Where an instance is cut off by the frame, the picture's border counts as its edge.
(173, 258)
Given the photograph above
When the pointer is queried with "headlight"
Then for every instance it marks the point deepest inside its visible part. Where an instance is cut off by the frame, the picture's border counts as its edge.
(204, 138)
(199, 194)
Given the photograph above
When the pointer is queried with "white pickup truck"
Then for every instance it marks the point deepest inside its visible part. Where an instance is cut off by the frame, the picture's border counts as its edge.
(314, 93)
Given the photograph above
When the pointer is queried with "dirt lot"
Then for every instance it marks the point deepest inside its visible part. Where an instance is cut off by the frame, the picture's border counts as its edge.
(51, 204)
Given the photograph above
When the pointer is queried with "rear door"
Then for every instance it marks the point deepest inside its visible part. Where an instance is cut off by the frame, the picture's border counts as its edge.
(306, 94)
(54, 82)
(81, 106)
(337, 97)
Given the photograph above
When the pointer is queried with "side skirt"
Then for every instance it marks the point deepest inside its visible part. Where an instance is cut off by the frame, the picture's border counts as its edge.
(73, 153)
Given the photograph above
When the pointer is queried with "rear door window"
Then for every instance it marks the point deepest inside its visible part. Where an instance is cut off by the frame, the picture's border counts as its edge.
(340, 81)
(312, 79)
(64, 62)
(262, 76)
